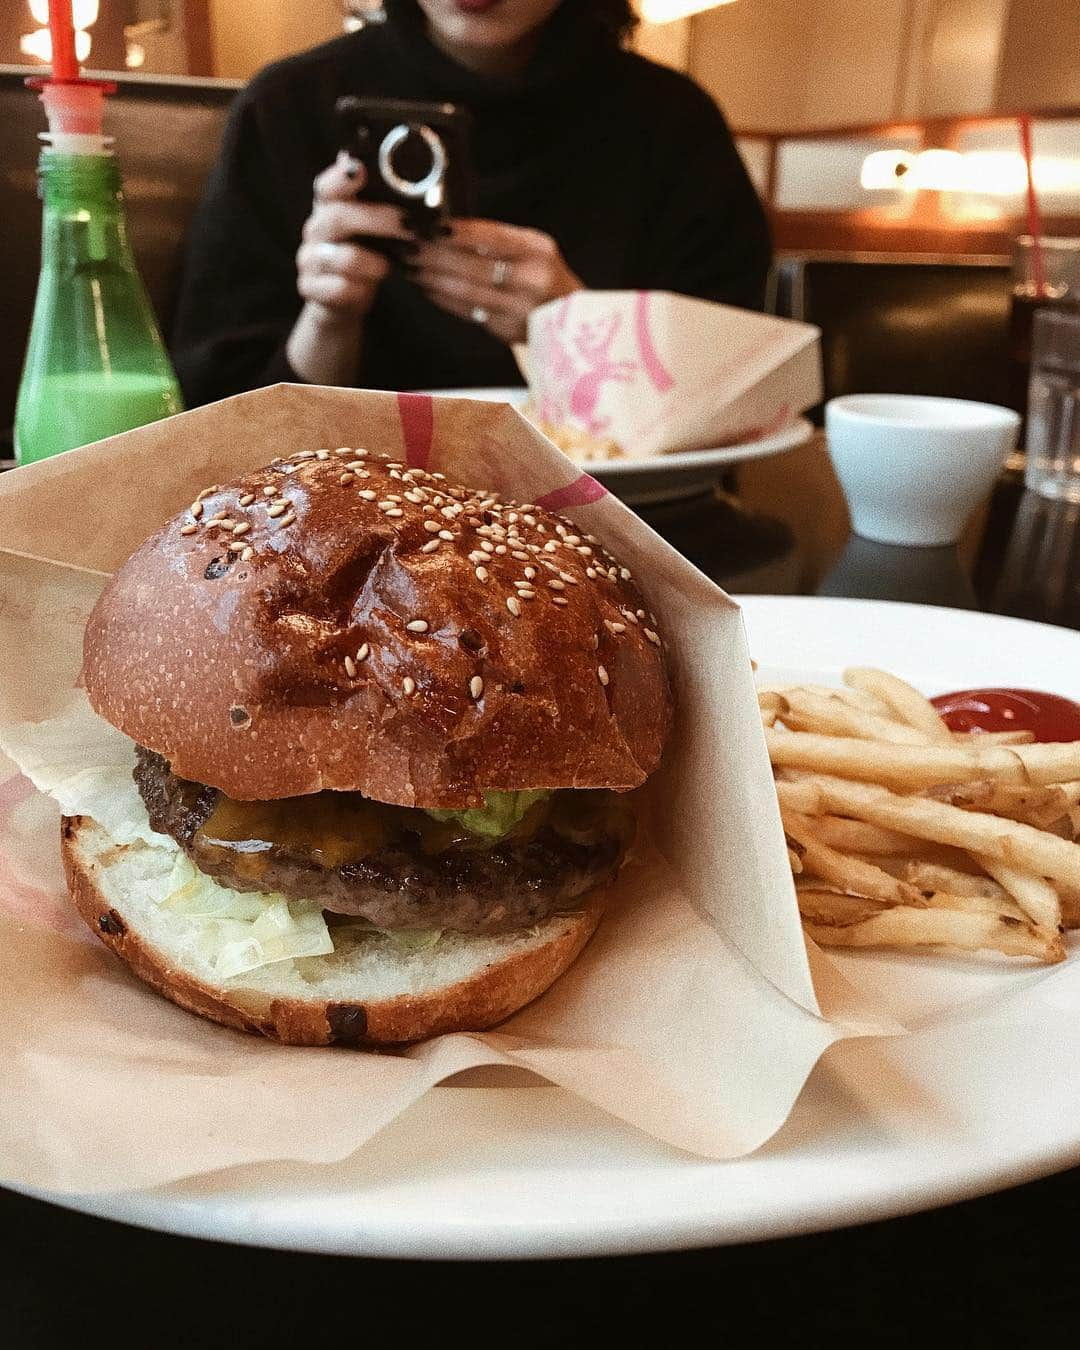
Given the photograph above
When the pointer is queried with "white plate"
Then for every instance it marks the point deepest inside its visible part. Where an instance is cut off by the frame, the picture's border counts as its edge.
(665, 476)
(883, 1127)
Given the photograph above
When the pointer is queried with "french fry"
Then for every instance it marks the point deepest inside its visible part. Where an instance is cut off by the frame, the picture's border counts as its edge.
(1008, 841)
(856, 836)
(901, 926)
(833, 909)
(917, 766)
(935, 877)
(807, 711)
(1038, 806)
(1035, 896)
(799, 796)
(854, 698)
(913, 707)
(994, 737)
(848, 873)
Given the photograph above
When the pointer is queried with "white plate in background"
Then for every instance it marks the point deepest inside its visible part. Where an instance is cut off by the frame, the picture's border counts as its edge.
(662, 477)
(965, 1105)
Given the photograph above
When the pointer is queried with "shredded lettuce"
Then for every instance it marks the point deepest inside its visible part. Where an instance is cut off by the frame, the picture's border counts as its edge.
(238, 932)
(499, 814)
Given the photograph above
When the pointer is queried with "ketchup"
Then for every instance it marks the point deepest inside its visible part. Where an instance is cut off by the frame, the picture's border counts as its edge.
(1049, 716)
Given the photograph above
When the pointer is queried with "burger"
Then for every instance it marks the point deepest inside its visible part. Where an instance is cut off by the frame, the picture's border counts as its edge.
(386, 734)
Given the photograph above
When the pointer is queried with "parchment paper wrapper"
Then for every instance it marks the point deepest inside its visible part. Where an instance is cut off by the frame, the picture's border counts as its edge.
(692, 1014)
(657, 372)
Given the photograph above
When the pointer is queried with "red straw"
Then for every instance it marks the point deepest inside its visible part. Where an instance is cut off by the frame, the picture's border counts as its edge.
(1033, 218)
(65, 65)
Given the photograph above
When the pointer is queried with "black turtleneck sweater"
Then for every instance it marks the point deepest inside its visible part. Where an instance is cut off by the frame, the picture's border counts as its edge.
(628, 165)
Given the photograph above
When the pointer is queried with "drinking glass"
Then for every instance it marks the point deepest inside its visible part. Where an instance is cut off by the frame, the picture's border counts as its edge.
(1053, 433)
(1060, 291)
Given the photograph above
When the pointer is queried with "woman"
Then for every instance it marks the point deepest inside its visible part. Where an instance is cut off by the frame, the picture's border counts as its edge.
(595, 168)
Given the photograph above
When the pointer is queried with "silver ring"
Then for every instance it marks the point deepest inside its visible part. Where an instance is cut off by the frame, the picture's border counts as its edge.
(479, 315)
(500, 272)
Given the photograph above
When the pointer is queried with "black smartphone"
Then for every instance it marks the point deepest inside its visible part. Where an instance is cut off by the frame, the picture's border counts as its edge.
(417, 156)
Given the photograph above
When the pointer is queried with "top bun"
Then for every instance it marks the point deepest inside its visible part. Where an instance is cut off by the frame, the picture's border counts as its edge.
(339, 621)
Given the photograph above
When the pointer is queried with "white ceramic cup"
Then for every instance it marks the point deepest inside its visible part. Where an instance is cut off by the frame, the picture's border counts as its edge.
(913, 469)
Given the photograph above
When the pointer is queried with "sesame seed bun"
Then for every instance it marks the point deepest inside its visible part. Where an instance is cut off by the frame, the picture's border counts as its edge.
(338, 621)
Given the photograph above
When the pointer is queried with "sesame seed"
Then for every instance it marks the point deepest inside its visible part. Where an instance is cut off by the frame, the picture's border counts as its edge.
(417, 626)
(196, 509)
(629, 614)
(247, 499)
(439, 477)
(242, 528)
(385, 505)
(640, 613)
(526, 593)
(482, 574)
(270, 490)
(488, 548)
(347, 477)
(559, 600)
(395, 511)
(500, 549)
(590, 572)
(557, 585)
(362, 651)
(354, 466)
(477, 557)
(278, 509)
(219, 515)
(343, 450)
(529, 520)
(584, 550)
(322, 454)
(449, 512)
(433, 527)
(350, 667)
(654, 638)
(530, 573)
(287, 520)
(476, 686)
(394, 473)
(569, 578)
(367, 495)
(430, 546)
(446, 534)
(625, 573)
(614, 627)
(189, 528)
(413, 496)
(206, 492)
(572, 539)
(550, 546)
(513, 605)
(409, 686)
(601, 675)
(303, 454)
(521, 557)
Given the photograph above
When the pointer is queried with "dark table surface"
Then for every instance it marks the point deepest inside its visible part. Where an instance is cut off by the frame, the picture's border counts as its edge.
(992, 1271)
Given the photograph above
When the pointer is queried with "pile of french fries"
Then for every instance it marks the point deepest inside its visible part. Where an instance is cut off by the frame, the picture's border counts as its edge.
(579, 444)
(902, 833)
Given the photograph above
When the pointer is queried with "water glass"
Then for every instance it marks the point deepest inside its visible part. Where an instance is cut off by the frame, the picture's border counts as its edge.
(1053, 433)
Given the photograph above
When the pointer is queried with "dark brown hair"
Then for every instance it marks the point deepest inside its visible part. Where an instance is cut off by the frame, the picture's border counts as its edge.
(616, 16)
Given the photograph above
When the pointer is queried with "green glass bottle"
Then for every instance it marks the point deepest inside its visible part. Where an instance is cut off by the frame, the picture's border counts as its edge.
(95, 363)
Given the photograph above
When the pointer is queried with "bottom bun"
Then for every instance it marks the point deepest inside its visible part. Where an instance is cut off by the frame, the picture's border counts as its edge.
(368, 992)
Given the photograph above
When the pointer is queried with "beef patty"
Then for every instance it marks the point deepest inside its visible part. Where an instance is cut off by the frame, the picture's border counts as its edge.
(396, 867)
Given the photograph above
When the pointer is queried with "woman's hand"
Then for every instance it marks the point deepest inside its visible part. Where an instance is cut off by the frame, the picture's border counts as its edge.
(338, 278)
(493, 274)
